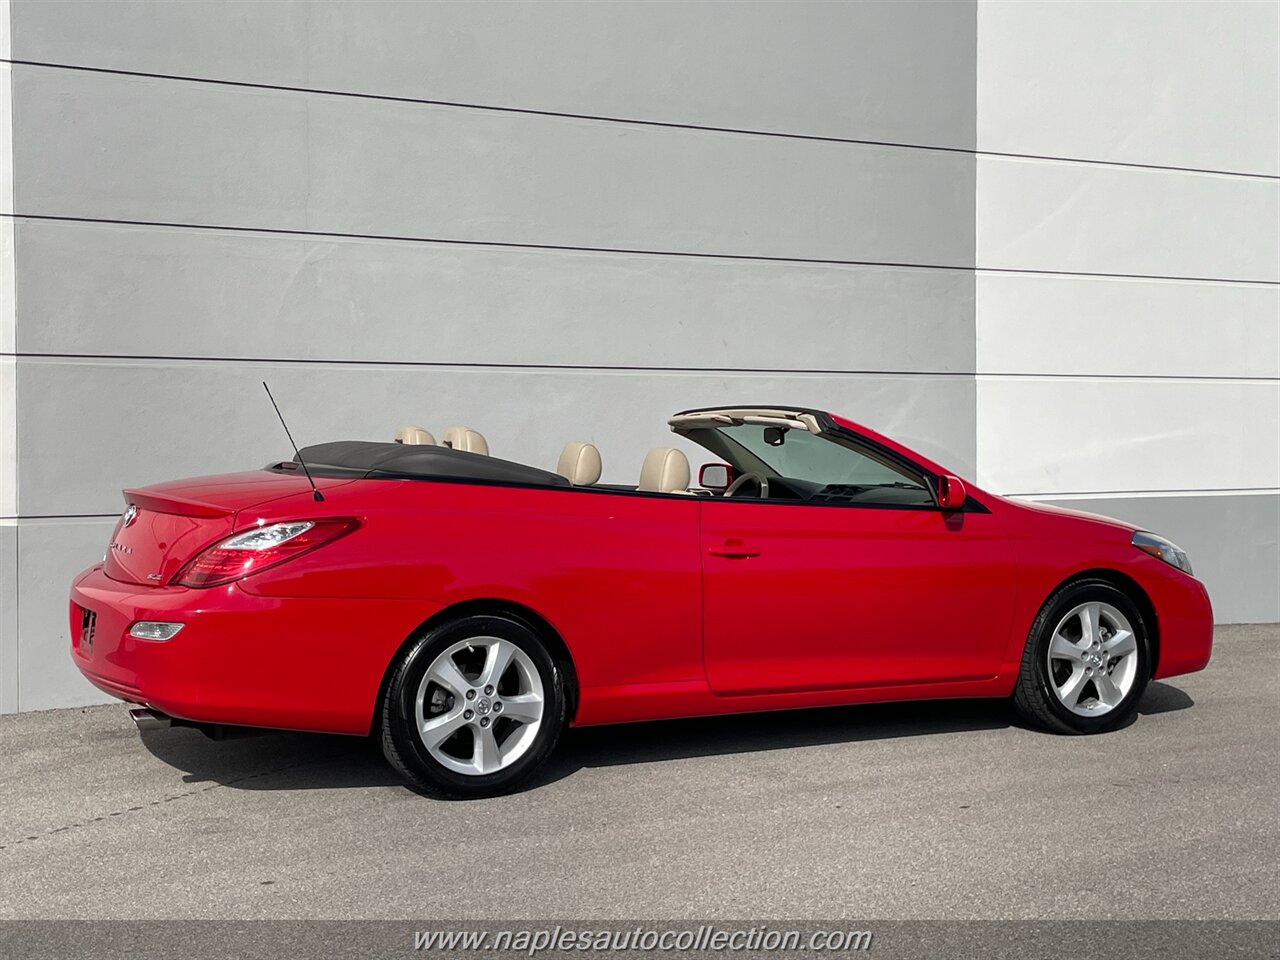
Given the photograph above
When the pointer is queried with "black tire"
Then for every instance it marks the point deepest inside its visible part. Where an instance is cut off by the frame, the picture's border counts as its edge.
(404, 748)
(1034, 697)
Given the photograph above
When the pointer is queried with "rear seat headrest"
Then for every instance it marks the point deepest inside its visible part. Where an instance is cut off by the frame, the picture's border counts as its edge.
(579, 463)
(467, 440)
(415, 435)
(665, 470)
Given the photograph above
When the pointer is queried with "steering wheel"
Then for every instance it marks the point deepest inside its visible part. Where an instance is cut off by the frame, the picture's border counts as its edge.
(759, 479)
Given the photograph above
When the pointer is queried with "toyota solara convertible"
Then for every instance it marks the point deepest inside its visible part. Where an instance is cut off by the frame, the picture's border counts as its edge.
(464, 609)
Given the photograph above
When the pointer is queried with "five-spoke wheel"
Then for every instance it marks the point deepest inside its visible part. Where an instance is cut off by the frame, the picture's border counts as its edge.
(479, 705)
(473, 707)
(1093, 659)
(1086, 660)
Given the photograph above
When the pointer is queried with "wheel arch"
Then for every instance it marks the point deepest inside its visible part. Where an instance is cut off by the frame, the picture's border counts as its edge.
(1131, 589)
(492, 607)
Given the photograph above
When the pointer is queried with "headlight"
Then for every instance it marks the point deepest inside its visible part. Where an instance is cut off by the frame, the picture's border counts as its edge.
(1167, 551)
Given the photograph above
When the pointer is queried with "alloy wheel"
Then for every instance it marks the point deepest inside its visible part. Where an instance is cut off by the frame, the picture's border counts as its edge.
(1092, 659)
(479, 706)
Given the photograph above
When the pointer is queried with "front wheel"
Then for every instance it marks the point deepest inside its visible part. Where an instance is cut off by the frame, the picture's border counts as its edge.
(473, 707)
(1086, 662)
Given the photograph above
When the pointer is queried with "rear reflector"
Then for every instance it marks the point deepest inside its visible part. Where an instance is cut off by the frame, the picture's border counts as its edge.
(154, 630)
(259, 548)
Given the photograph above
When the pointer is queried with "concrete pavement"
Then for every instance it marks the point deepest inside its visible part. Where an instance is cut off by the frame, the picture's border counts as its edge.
(911, 811)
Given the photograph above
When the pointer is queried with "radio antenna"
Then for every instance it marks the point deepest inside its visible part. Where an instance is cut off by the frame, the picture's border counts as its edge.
(315, 491)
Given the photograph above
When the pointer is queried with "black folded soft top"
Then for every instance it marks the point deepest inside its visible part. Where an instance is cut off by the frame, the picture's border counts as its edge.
(368, 459)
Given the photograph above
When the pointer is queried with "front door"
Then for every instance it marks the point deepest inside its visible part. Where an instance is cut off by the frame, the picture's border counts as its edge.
(798, 596)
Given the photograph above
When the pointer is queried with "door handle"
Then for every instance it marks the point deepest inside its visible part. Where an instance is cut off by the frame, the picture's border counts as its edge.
(734, 549)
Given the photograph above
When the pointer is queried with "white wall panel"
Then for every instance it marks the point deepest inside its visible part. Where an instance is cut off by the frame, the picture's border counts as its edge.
(1080, 435)
(1177, 84)
(140, 422)
(878, 71)
(220, 155)
(1094, 326)
(1049, 215)
(158, 291)
(1108, 385)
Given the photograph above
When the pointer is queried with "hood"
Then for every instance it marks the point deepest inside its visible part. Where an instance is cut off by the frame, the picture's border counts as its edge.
(1048, 509)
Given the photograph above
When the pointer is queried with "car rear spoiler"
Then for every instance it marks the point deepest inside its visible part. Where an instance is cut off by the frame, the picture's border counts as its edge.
(180, 506)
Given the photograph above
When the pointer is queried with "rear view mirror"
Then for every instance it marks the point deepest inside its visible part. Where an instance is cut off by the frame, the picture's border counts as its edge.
(715, 476)
(951, 492)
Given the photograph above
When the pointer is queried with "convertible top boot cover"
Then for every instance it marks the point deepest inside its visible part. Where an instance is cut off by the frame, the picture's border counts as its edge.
(371, 460)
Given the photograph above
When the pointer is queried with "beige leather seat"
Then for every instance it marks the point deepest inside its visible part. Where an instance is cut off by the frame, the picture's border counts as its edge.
(466, 440)
(579, 463)
(665, 470)
(415, 435)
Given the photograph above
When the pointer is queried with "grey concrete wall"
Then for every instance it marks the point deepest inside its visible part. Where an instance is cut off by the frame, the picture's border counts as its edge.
(565, 221)
(8, 393)
(1233, 540)
(549, 221)
(891, 72)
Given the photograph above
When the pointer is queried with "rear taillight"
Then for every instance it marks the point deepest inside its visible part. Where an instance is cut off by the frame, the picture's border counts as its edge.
(257, 549)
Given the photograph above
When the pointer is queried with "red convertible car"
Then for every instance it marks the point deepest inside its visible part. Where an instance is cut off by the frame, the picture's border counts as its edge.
(464, 609)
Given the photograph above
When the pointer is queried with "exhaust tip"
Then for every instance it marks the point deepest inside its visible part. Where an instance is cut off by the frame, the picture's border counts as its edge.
(145, 719)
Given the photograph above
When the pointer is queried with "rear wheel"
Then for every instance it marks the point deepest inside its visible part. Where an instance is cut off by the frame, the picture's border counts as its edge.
(1086, 662)
(473, 707)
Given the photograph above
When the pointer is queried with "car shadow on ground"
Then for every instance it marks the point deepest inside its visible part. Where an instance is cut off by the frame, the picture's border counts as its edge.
(267, 760)
(1162, 698)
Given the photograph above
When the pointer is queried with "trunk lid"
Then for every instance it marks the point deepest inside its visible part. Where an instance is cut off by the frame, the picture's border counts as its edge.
(165, 525)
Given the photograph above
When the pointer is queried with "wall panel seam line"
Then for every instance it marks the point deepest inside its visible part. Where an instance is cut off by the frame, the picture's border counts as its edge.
(631, 251)
(638, 368)
(633, 121)
(495, 365)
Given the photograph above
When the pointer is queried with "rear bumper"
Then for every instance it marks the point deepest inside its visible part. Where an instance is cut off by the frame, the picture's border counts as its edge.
(295, 663)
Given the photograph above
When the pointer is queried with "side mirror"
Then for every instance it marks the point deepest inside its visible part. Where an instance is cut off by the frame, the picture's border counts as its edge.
(951, 492)
(715, 476)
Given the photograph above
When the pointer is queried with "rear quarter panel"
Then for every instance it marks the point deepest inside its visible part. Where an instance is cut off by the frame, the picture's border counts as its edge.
(617, 576)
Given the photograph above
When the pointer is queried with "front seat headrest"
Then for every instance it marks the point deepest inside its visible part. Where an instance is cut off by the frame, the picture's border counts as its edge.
(665, 470)
(466, 440)
(415, 435)
(579, 463)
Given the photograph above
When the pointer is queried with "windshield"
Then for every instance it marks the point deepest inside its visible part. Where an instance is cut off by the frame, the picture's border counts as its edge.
(809, 466)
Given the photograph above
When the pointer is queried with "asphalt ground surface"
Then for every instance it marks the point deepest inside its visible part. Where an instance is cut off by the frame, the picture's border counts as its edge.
(912, 811)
